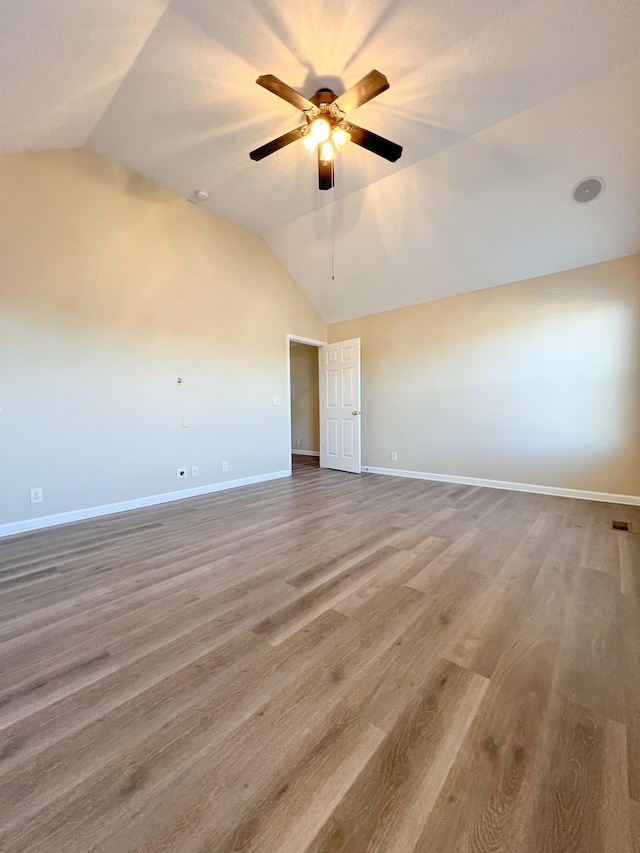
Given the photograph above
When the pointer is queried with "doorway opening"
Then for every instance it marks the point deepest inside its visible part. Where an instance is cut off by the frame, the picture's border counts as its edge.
(304, 395)
(337, 393)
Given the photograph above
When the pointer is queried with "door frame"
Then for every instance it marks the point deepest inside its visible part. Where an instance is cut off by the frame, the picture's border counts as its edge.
(298, 339)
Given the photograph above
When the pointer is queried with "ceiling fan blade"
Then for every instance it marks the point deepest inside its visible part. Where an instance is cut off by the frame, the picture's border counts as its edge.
(268, 81)
(276, 144)
(325, 173)
(377, 144)
(369, 87)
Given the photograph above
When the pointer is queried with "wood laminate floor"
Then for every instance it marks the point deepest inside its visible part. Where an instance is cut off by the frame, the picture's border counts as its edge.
(300, 461)
(325, 663)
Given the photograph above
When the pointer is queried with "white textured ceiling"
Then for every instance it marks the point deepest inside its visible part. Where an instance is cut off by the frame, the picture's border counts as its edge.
(501, 106)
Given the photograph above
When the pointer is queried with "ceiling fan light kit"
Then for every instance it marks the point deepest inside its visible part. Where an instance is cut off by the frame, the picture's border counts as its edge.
(327, 129)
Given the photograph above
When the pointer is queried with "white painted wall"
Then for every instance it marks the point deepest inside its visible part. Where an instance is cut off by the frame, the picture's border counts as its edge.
(110, 289)
(536, 382)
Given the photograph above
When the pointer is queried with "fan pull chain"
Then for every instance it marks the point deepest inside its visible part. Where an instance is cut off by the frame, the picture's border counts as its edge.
(333, 236)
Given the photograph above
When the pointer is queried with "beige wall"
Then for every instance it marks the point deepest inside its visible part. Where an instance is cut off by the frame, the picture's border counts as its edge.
(305, 406)
(534, 382)
(110, 289)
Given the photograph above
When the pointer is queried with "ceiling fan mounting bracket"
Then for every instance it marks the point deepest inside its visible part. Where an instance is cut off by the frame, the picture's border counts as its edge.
(322, 97)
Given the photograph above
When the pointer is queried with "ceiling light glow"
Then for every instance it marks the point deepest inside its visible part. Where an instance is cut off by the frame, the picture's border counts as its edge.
(340, 137)
(320, 130)
(309, 142)
(327, 151)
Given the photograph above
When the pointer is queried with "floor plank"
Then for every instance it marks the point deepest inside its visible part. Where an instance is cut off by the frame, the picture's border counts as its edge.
(324, 663)
(487, 800)
(585, 805)
(385, 810)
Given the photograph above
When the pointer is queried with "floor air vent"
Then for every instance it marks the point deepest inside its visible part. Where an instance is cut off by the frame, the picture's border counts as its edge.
(620, 525)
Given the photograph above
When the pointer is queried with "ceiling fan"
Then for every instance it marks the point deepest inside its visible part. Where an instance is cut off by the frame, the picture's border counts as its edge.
(326, 128)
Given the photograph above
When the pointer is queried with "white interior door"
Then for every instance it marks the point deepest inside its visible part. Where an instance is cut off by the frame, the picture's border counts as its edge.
(340, 406)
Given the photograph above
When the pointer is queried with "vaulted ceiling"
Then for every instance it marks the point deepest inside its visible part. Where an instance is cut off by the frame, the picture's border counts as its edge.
(502, 106)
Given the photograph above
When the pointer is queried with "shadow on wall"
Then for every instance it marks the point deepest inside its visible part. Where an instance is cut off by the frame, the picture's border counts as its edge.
(108, 251)
(535, 382)
(107, 300)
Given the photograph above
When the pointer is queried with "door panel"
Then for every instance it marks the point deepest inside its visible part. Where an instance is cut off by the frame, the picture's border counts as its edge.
(332, 444)
(347, 439)
(340, 406)
(332, 386)
(348, 397)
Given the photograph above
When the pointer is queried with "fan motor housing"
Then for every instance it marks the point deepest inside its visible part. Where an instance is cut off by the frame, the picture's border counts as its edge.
(322, 97)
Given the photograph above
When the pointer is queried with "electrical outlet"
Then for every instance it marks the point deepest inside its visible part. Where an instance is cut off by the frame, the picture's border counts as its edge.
(394, 456)
(182, 473)
(298, 441)
(194, 470)
(36, 496)
(225, 466)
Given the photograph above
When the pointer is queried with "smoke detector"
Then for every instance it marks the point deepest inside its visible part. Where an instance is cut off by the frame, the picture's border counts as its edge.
(202, 195)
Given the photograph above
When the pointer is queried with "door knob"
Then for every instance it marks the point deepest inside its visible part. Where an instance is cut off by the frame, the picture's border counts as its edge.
(355, 413)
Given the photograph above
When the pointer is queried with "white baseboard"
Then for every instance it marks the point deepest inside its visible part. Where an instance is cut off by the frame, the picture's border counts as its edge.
(138, 503)
(296, 452)
(633, 500)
